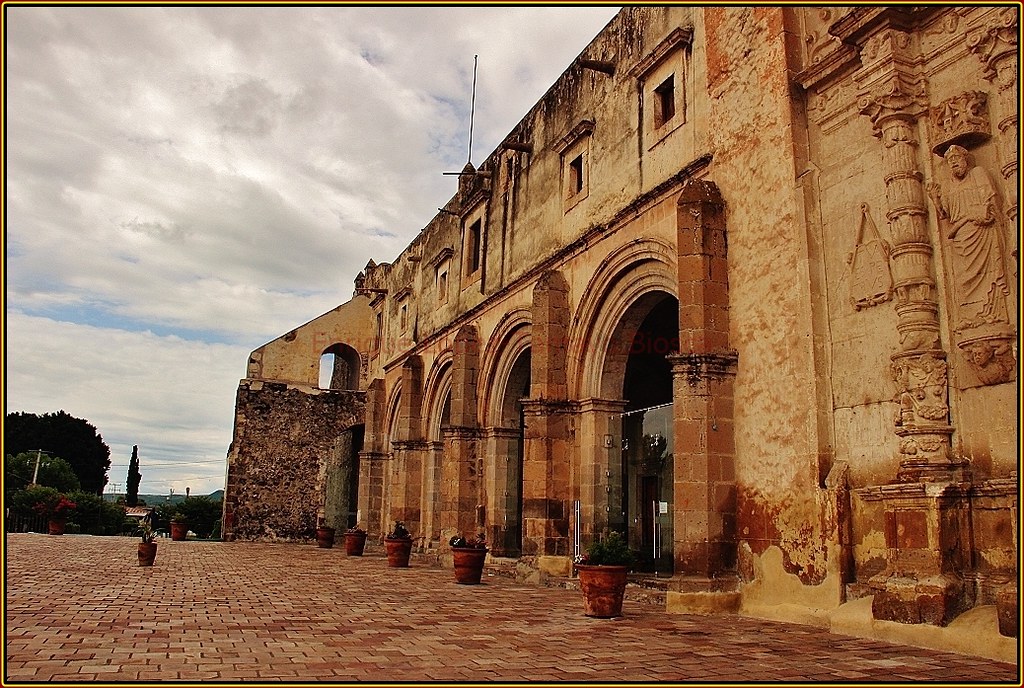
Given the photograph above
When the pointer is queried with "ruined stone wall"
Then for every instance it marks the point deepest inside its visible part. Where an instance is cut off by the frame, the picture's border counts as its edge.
(284, 440)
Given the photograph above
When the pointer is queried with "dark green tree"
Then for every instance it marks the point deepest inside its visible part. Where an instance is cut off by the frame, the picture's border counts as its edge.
(60, 434)
(53, 472)
(134, 478)
(202, 514)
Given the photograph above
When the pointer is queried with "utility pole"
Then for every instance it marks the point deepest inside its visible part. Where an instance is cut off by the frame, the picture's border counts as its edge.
(35, 473)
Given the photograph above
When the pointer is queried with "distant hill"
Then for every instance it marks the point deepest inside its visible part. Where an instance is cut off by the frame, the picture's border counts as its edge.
(157, 499)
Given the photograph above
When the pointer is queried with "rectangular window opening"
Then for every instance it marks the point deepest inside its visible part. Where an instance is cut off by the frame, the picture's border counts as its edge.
(473, 248)
(576, 175)
(665, 101)
(442, 286)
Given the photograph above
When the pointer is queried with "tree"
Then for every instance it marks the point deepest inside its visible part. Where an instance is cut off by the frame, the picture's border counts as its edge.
(202, 514)
(96, 516)
(134, 478)
(60, 434)
(53, 472)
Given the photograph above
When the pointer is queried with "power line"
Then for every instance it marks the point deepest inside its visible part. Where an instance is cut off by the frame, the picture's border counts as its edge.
(175, 463)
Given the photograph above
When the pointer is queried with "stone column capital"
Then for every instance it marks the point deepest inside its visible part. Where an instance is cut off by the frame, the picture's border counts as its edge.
(900, 97)
(993, 42)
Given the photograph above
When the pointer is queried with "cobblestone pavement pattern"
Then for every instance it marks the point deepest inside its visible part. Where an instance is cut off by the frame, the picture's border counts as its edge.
(80, 609)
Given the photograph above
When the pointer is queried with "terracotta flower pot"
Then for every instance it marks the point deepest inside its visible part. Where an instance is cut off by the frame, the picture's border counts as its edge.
(147, 553)
(179, 530)
(56, 526)
(398, 552)
(325, 537)
(354, 544)
(603, 589)
(469, 564)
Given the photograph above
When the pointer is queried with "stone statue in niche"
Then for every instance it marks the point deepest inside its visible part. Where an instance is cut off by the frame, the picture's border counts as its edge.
(870, 278)
(969, 221)
(967, 207)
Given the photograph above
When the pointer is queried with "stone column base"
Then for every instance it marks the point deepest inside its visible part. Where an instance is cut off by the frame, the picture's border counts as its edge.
(935, 600)
(700, 595)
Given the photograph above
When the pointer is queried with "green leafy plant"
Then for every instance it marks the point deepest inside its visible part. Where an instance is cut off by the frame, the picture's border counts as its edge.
(355, 530)
(612, 550)
(179, 518)
(52, 504)
(146, 531)
(477, 542)
(399, 532)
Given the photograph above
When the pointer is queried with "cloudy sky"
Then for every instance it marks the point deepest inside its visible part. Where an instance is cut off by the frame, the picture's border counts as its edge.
(184, 184)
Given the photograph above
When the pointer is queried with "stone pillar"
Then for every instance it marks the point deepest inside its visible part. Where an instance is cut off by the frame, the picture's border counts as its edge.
(461, 478)
(372, 463)
(546, 441)
(408, 451)
(926, 511)
(601, 479)
(894, 99)
(704, 492)
(431, 512)
(504, 486)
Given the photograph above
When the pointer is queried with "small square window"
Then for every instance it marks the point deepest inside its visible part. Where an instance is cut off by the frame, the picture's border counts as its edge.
(665, 101)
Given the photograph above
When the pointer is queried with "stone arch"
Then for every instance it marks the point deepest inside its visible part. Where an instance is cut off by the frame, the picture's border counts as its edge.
(390, 429)
(437, 388)
(343, 363)
(627, 275)
(509, 340)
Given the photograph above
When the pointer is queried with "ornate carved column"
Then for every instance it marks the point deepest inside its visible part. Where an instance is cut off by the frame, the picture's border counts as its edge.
(894, 98)
(927, 525)
(995, 44)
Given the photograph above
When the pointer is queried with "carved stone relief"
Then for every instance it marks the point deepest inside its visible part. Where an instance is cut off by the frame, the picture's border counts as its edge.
(967, 208)
(962, 120)
(870, 277)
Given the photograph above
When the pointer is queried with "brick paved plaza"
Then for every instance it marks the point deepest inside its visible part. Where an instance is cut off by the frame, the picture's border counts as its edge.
(80, 609)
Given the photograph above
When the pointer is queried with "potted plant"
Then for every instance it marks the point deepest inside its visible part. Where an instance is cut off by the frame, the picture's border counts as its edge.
(398, 544)
(469, 556)
(56, 507)
(355, 541)
(602, 572)
(324, 536)
(147, 548)
(179, 526)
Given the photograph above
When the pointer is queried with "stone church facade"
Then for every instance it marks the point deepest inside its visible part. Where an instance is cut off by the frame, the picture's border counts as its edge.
(742, 286)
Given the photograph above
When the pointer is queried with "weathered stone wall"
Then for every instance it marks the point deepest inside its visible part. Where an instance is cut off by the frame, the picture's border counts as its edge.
(284, 440)
(845, 399)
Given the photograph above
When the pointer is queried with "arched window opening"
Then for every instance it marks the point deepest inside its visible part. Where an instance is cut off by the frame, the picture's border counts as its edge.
(339, 368)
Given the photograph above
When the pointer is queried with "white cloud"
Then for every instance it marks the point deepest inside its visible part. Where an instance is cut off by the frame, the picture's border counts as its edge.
(170, 396)
(223, 173)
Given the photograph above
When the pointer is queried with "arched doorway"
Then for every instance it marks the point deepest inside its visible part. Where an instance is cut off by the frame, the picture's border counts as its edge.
(637, 370)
